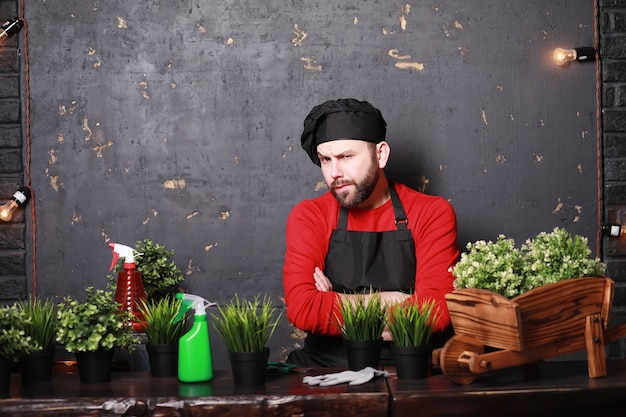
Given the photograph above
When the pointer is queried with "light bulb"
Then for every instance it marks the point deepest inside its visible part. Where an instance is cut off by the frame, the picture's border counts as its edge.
(18, 200)
(563, 56)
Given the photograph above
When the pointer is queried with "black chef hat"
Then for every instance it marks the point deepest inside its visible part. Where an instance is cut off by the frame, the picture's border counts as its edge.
(341, 119)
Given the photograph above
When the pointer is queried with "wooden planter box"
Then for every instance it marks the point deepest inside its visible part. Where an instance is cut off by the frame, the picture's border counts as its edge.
(564, 317)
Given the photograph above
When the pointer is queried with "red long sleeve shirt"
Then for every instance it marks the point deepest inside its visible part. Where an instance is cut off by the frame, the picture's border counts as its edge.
(432, 222)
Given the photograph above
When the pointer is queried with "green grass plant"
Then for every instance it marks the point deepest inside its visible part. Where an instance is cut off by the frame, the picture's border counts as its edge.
(363, 317)
(43, 322)
(411, 323)
(247, 325)
(161, 326)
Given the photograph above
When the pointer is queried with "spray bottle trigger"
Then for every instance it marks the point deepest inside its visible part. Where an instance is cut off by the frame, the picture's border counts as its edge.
(185, 306)
(116, 256)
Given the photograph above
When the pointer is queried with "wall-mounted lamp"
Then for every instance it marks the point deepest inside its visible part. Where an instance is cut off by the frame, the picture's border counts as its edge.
(19, 200)
(614, 230)
(10, 28)
(563, 56)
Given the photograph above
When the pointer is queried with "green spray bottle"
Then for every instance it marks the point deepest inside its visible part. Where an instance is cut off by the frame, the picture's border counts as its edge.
(195, 363)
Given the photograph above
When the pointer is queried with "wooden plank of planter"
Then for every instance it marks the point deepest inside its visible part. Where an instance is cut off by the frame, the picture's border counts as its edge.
(491, 318)
(556, 313)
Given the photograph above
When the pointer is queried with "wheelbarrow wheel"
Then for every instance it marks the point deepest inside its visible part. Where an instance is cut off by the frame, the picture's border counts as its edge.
(452, 354)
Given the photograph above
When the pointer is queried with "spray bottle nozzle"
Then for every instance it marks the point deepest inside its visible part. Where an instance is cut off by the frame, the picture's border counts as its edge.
(190, 301)
(125, 252)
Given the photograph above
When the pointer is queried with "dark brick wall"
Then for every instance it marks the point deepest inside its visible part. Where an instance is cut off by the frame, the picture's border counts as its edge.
(12, 235)
(613, 54)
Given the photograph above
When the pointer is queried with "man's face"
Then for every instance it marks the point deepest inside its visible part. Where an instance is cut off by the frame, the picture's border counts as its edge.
(350, 169)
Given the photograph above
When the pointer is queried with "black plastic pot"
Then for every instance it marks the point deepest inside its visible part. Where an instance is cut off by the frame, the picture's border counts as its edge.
(249, 368)
(95, 367)
(163, 360)
(363, 353)
(37, 366)
(6, 366)
(412, 362)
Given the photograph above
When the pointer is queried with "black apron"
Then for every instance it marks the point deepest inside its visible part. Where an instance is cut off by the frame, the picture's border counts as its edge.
(357, 261)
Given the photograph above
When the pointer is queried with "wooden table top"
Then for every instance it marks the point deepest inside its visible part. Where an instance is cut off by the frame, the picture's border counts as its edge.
(551, 388)
(139, 394)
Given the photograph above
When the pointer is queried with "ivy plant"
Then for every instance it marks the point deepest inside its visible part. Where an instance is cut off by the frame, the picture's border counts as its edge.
(13, 340)
(94, 323)
(158, 271)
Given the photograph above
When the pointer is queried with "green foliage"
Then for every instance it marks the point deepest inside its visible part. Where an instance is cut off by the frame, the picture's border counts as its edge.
(494, 266)
(411, 323)
(160, 324)
(502, 268)
(94, 323)
(246, 326)
(362, 317)
(551, 257)
(157, 270)
(42, 321)
(13, 340)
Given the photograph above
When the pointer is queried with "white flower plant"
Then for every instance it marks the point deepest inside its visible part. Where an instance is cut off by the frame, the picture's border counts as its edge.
(503, 268)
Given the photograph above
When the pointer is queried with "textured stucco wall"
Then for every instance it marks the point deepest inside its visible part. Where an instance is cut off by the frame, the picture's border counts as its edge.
(180, 122)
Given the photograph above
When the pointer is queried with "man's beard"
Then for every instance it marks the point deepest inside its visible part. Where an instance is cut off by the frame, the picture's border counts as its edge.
(364, 189)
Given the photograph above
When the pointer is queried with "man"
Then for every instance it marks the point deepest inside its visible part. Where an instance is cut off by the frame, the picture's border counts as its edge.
(366, 232)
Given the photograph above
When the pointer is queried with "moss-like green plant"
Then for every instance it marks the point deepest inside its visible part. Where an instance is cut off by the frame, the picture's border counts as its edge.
(94, 323)
(13, 340)
(558, 255)
(42, 321)
(411, 323)
(363, 317)
(247, 326)
(161, 325)
(547, 258)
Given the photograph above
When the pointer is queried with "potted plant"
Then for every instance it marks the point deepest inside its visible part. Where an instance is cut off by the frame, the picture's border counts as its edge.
(92, 328)
(246, 328)
(41, 326)
(163, 332)
(547, 258)
(522, 303)
(158, 271)
(13, 343)
(362, 320)
(411, 327)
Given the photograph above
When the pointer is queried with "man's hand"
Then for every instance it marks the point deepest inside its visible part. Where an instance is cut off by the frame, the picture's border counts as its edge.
(388, 298)
(322, 283)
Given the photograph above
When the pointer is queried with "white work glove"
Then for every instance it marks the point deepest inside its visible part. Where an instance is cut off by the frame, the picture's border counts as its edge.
(352, 377)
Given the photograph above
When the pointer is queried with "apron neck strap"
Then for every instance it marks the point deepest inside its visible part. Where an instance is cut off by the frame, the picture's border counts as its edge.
(401, 219)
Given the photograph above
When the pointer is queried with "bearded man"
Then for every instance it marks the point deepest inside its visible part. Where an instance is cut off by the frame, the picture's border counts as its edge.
(365, 233)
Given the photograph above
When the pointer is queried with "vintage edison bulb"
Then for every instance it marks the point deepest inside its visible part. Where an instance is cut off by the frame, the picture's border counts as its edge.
(20, 198)
(563, 56)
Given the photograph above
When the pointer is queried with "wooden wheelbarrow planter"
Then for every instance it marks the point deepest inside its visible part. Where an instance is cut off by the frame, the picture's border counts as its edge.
(548, 321)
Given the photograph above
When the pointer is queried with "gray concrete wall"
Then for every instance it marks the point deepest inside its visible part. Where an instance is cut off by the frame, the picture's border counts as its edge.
(180, 122)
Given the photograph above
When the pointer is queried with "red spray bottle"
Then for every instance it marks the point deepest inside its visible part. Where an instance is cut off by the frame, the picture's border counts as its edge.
(130, 290)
